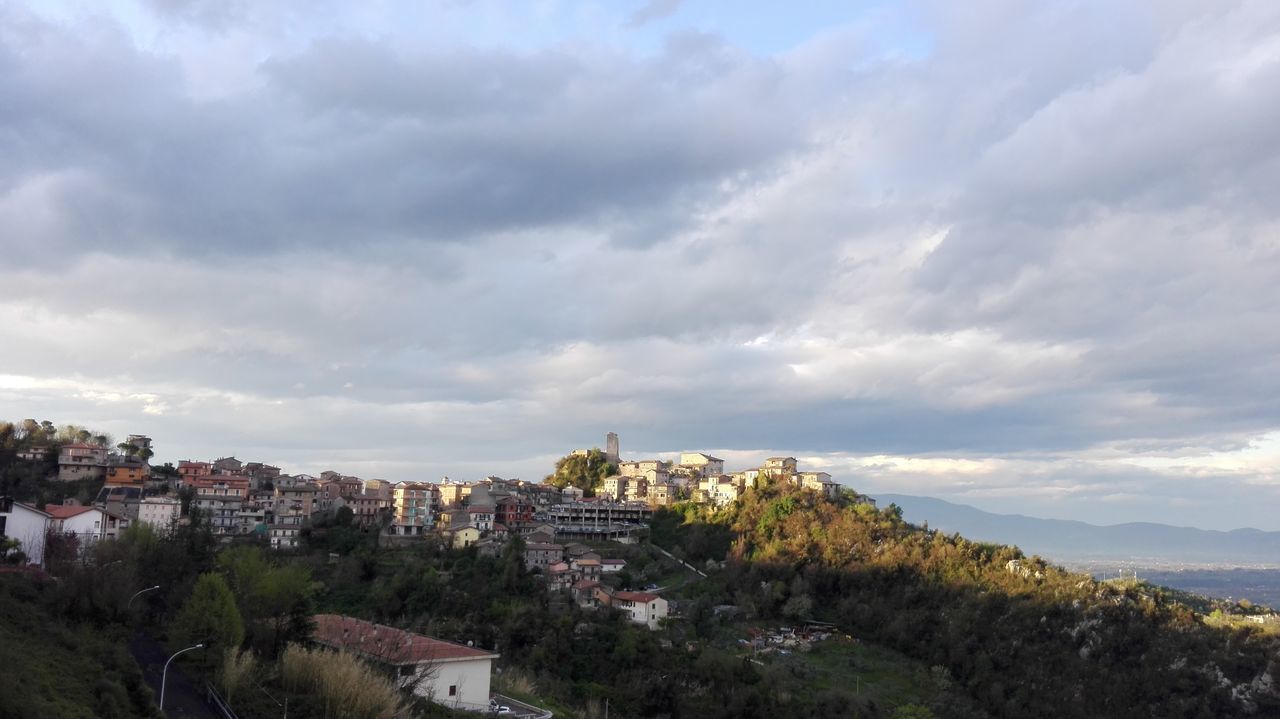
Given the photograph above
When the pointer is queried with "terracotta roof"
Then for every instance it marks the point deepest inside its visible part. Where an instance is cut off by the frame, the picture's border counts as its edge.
(388, 644)
(585, 584)
(60, 511)
(642, 597)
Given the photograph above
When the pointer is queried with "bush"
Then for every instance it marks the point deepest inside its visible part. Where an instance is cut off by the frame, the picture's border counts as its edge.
(343, 684)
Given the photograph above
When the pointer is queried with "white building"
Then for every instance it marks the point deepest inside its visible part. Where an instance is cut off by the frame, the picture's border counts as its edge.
(703, 464)
(641, 607)
(445, 673)
(88, 524)
(26, 524)
(159, 512)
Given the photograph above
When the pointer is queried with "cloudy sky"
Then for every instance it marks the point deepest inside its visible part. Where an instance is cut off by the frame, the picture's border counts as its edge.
(1024, 256)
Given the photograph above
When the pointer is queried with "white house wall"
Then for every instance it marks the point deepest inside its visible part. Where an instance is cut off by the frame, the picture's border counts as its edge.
(469, 676)
(29, 528)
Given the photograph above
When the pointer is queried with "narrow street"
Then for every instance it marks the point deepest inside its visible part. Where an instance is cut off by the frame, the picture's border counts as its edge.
(183, 697)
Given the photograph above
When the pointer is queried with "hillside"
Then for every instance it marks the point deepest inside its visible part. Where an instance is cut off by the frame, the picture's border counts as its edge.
(1022, 637)
(1072, 541)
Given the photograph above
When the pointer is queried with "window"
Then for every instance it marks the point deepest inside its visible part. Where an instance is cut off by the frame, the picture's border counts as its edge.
(453, 690)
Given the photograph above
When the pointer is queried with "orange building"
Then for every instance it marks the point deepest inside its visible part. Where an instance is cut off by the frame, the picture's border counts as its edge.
(127, 474)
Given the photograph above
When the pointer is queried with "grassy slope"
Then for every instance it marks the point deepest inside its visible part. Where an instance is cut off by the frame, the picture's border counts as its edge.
(51, 669)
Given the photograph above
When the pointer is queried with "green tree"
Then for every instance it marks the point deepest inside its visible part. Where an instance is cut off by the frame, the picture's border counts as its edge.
(11, 551)
(275, 602)
(343, 517)
(584, 471)
(210, 617)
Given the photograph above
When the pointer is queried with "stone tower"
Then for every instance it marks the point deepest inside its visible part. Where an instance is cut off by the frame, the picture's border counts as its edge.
(611, 447)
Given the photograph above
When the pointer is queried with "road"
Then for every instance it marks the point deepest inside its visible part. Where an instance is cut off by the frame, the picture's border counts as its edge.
(688, 566)
(182, 696)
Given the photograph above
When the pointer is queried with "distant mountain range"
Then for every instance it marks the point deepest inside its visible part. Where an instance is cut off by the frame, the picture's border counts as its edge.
(1067, 541)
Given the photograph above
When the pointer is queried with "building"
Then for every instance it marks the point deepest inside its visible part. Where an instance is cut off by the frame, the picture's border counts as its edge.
(637, 490)
(722, 490)
(120, 500)
(453, 494)
(481, 518)
(37, 453)
(161, 513)
(779, 466)
(639, 467)
(411, 514)
(443, 672)
(704, 465)
(615, 487)
(539, 555)
(641, 607)
(747, 478)
(26, 524)
(141, 441)
(819, 482)
(284, 531)
(127, 472)
(87, 524)
(261, 475)
(369, 507)
(577, 514)
(189, 470)
(220, 498)
(82, 461)
(513, 511)
(296, 499)
(662, 495)
(462, 536)
(227, 465)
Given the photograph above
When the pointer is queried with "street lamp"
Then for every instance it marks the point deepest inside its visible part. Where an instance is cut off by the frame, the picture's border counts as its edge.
(135, 596)
(164, 676)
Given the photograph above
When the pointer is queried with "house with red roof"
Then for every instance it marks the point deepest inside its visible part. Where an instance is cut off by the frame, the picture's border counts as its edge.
(88, 524)
(189, 470)
(443, 672)
(641, 607)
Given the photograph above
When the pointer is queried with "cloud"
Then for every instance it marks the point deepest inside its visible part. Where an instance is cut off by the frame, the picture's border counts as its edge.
(1031, 268)
(653, 10)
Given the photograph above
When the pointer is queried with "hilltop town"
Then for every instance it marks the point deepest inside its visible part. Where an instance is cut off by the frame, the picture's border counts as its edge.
(653, 586)
(557, 528)
(258, 500)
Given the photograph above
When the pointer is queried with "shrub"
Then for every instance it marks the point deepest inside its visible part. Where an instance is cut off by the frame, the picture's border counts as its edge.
(343, 684)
